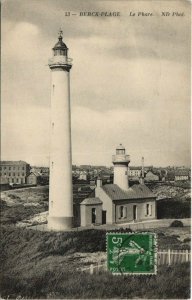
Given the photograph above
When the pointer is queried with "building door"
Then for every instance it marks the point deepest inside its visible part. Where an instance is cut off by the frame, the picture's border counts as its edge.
(134, 212)
(93, 218)
(104, 217)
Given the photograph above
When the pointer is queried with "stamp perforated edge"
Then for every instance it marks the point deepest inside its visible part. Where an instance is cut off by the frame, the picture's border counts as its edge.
(129, 233)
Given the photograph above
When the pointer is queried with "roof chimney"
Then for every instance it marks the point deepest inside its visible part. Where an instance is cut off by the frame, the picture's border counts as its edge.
(99, 181)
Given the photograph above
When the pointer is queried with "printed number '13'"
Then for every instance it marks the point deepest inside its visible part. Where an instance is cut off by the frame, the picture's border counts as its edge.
(116, 240)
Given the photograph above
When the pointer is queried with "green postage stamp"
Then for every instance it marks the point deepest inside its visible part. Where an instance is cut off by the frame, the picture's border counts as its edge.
(132, 253)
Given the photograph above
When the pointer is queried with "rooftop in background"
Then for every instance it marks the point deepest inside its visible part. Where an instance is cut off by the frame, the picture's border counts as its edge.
(140, 167)
(7, 162)
(181, 172)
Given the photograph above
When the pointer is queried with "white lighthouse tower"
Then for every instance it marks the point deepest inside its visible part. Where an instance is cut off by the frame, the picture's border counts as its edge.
(60, 192)
(121, 161)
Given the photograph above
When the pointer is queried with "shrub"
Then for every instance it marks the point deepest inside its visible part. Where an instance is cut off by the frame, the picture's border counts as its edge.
(170, 208)
(176, 223)
(187, 240)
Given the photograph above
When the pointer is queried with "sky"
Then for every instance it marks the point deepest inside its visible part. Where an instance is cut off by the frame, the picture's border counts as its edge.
(130, 80)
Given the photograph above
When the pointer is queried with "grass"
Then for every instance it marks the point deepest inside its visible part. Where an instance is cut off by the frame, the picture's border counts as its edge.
(45, 283)
(36, 264)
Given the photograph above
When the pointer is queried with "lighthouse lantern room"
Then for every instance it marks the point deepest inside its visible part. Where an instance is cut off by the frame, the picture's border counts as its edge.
(121, 161)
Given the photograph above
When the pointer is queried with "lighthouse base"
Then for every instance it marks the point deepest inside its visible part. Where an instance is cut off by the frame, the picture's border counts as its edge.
(60, 223)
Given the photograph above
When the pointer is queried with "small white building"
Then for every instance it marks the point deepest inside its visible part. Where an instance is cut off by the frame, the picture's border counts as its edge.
(118, 202)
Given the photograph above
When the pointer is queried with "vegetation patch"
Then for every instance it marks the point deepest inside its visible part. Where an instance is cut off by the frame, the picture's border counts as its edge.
(54, 284)
(170, 208)
(176, 223)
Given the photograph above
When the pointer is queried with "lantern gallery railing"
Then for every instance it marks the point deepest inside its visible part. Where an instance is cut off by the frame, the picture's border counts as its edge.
(121, 158)
(60, 60)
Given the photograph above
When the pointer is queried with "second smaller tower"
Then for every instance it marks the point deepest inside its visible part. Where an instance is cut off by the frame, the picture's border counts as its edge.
(121, 161)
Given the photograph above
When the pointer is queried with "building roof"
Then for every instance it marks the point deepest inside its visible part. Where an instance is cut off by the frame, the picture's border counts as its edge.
(95, 200)
(19, 162)
(37, 174)
(181, 173)
(137, 191)
(153, 173)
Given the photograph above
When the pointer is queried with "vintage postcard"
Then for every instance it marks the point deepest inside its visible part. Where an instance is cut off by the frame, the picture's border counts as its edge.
(95, 149)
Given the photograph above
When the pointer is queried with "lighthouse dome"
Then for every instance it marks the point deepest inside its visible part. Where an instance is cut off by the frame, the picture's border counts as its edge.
(60, 44)
(60, 48)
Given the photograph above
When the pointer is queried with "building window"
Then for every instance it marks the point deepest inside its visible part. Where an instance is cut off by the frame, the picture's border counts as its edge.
(9, 168)
(93, 215)
(122, 212)
(0, 168)
(148, 209)
(23, 174)
(9, 174)
(23, 168)
(18, 174)
(13, 174)
(5, 174)
(4, 168)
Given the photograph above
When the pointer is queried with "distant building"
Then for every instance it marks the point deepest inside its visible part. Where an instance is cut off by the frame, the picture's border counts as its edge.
(181, 175)
(14, 171)
(35, 178)
(134, 172)
(151, 176)
(83, 175)
(32, 178)
(41, 170)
